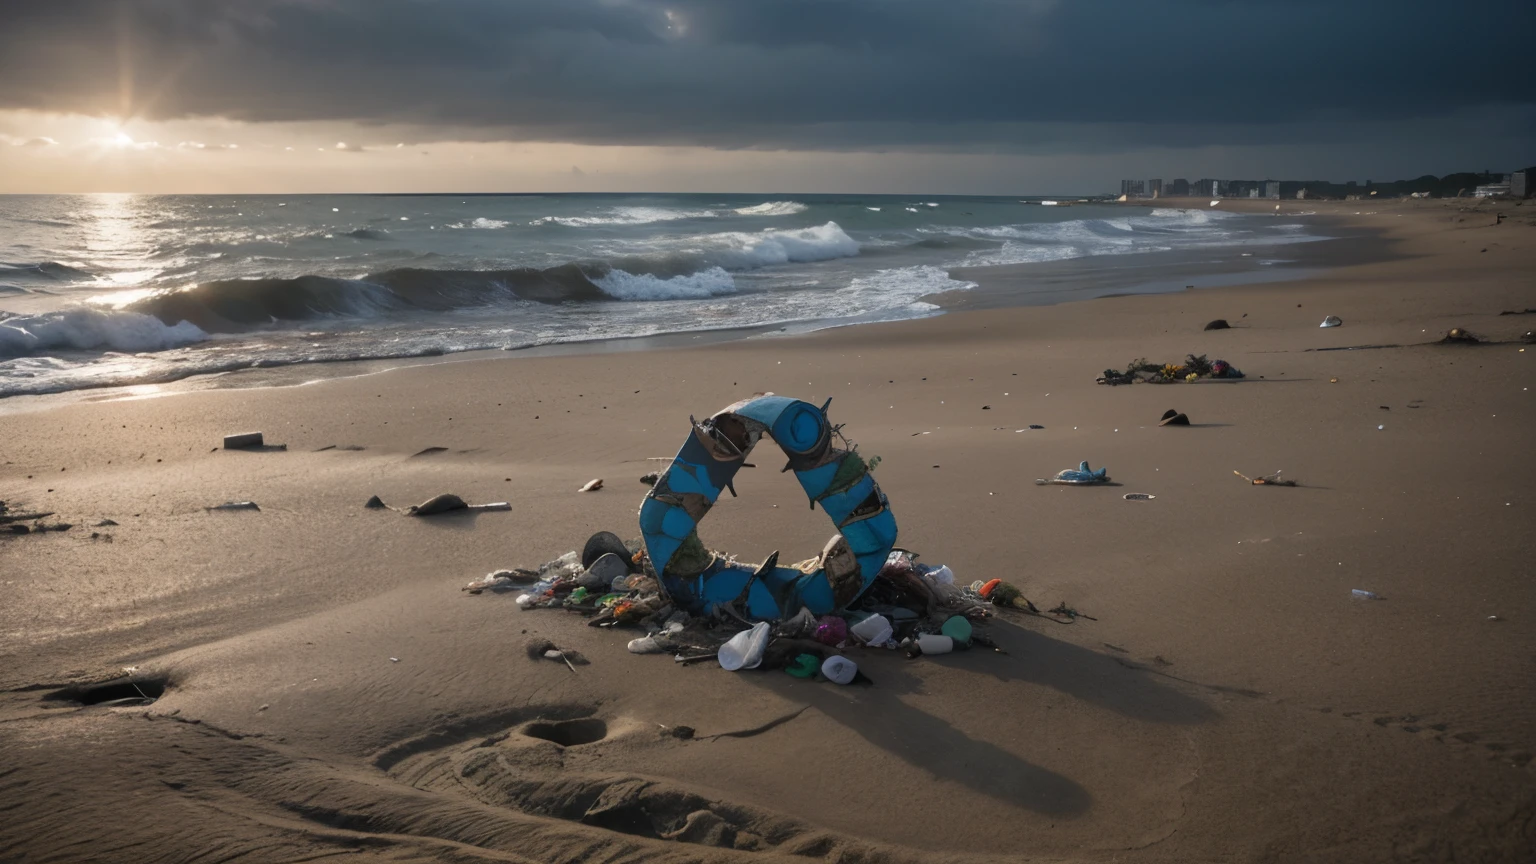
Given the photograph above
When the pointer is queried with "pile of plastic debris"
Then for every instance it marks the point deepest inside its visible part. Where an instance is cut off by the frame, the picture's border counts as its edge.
(695, 603)
(912, 607)
(1194, 368)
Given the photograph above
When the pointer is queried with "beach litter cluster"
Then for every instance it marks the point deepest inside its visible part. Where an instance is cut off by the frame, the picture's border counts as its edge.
(912, 607)
(1139, 371)
(697, 603)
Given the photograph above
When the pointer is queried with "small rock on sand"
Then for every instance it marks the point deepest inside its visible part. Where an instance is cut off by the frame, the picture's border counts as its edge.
(375, 503)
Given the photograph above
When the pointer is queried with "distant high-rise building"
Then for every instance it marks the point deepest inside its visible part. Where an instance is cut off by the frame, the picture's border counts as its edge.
(1207, 188)
(1520, 184)
(1271, 188)
(1155, 187)
(1180, 188)
(1133, 188)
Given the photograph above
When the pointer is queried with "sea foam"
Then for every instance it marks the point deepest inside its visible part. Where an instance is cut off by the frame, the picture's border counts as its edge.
(84, 328)
(773, 208)
(622, 285)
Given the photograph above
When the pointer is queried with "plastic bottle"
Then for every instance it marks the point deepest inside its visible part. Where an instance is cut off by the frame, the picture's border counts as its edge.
(1362, 594)
(929, 643)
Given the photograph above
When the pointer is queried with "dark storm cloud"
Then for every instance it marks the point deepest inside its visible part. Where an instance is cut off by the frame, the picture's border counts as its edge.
(731, 73)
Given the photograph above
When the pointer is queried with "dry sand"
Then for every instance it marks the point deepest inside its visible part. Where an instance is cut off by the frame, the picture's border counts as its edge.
(330, 690)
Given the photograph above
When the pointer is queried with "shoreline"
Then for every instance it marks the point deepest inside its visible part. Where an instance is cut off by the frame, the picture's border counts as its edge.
(998, 286)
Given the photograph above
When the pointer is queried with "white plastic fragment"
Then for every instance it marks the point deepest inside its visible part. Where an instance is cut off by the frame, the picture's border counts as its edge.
(745, 649)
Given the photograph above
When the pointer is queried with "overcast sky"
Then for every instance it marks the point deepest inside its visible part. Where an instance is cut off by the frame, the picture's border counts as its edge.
(1007, 96)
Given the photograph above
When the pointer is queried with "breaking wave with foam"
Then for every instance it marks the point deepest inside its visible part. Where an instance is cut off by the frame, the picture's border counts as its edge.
(772, 208)
(85, 328)
(148, 288)
(629, 286)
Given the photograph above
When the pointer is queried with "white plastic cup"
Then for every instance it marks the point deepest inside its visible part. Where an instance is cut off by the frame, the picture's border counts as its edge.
(745, 649)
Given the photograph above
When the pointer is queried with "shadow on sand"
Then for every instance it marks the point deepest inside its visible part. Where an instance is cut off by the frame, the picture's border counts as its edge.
(932, 744)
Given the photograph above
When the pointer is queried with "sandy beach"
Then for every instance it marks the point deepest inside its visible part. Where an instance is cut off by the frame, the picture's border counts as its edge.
(326, 689)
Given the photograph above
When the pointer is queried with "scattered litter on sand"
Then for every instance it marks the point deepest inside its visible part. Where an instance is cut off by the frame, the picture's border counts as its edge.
(235, 505)
(1268, 479)
(1172, 417)
(437, 504)
(502, 580)
(1138, 496)
(1458, 336)
(592, 485)
(445, 503)
(1218, 324)
(1194, 367)
(1331, 321)
(1082, 475)
(1362, 594)
(250, 441)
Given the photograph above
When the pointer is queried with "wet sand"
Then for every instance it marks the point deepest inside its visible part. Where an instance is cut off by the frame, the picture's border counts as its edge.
(328, 688)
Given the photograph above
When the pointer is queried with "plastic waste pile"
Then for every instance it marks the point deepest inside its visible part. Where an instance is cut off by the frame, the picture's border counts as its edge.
(860, 593)
(911, 607)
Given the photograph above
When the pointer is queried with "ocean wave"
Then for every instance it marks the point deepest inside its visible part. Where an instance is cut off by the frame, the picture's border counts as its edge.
(368, 234)
(85, 328)
(241, 305)
(625, 216)
(480, 223)
(743, 251)
(1191, 217)
(622, 285)
(45, 270)
(773, 208)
